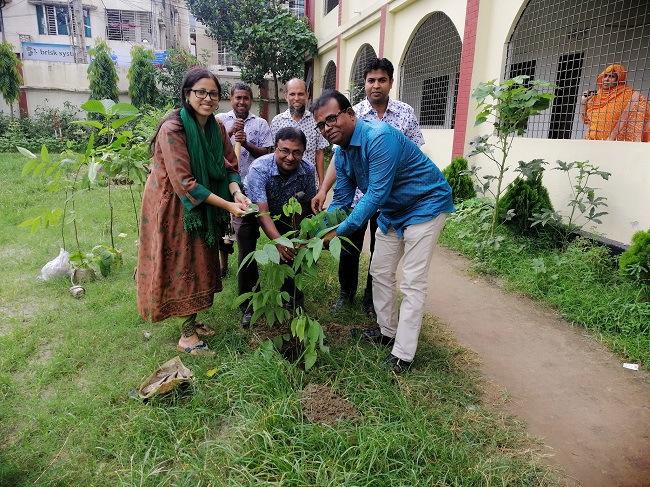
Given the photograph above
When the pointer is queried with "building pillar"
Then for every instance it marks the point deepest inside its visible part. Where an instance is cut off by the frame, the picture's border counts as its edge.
(465, 79)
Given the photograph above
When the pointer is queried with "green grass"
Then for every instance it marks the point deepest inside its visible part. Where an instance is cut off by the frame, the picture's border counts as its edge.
(582, 281)
(67, 366)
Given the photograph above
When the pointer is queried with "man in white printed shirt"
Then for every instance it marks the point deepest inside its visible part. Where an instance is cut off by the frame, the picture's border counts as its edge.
(298, 116)
(377, 105)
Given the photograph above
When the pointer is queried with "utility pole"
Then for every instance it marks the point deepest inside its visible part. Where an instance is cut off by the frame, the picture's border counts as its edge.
(2, 19)
(77, 31)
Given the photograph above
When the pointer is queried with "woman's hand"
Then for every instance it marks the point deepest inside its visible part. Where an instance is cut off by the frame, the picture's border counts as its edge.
(237, 209)
(242, 198)
(287, 254)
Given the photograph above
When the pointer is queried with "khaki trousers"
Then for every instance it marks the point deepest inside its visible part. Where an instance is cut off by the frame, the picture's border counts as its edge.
(415, 249)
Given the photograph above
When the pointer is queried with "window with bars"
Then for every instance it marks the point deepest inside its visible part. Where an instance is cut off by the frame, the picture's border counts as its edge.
(357, 82)
(330, 5)
(329, 79)
(296, 7)
(55, 19)
(226, 57)
(569, 43)
(128, 25)
(430, 72)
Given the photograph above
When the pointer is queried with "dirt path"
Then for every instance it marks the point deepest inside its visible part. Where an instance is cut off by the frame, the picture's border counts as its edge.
(574, 394)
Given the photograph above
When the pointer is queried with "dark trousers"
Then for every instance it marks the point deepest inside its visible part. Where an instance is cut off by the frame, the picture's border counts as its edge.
(247, 230)
(349, 263)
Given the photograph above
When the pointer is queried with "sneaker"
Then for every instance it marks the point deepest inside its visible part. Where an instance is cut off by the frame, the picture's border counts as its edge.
(397, 365)
(372, 335)
(246, 319)
(344, 300)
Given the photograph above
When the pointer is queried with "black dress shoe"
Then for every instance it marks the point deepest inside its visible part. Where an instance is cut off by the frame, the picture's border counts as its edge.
(373, 335)
(397, 365)
(246, 319)
(344, 300)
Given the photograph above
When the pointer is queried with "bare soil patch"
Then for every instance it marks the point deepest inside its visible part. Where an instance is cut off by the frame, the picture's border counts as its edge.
(322, 406)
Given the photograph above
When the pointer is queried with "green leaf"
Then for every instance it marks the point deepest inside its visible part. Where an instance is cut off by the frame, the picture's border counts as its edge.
(261, 257)
(96, 106)
(310, 359)
(335, 248)
(26, 152)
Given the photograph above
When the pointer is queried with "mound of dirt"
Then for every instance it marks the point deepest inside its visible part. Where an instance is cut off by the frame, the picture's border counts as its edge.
(324, 407)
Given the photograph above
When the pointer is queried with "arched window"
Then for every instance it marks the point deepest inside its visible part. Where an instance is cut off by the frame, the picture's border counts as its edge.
(569, 42)
(329, 79)
(357, 83)
(430, 71)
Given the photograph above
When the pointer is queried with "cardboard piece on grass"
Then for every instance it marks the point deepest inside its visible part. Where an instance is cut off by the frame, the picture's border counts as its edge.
(166, 378)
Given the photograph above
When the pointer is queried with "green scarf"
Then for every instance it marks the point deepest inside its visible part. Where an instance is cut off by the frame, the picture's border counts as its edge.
(209, 169)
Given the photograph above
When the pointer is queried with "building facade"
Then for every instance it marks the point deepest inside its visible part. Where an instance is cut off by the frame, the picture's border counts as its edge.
(442, 49)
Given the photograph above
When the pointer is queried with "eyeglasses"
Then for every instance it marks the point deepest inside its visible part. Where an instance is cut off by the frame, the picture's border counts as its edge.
(296, 153)
(214, 95)
(329, 121)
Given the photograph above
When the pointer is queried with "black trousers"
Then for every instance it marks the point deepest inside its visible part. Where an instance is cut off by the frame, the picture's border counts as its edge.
(349, 263)
(247, 230)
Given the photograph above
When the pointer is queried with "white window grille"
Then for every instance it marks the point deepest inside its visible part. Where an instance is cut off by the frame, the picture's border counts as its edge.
(58, 19)
(329, 79)
(357, 82)
(128, 25)
(295, 7)
(430, 72)
(569, 42)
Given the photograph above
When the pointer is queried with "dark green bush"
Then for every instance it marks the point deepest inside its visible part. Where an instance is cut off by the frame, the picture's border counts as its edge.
(635, 261)
(524, 196)
(461, 184)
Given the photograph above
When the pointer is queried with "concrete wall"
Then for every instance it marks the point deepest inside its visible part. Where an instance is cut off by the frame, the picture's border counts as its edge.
(361, 22)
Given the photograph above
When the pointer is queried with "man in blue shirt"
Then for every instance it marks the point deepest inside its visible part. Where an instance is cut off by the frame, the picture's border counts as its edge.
(271, 181)
(377, 105)
(414, 198)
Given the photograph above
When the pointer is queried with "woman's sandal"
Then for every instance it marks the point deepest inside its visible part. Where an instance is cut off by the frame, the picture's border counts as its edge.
(200, 350)
(203, 330)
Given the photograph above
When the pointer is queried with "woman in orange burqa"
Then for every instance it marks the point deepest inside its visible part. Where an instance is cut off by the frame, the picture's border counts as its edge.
(193, 188)
(615, 111)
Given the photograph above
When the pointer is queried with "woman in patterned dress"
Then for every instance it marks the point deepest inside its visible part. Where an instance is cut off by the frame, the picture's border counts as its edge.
(193, 188)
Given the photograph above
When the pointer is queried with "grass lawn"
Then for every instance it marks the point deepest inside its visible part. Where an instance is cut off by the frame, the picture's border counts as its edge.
(581, 280)
(67, 366)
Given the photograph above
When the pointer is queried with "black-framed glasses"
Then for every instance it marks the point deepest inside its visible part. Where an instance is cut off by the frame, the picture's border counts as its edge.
(295, 153)
(329, 121)
(214, 95)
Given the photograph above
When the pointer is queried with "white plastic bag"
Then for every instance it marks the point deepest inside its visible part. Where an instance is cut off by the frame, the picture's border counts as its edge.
(57, 267)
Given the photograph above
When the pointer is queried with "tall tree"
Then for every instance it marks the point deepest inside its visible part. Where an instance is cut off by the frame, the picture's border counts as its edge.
(10, 78)
(277, 45)
(102, 73)
(223, 17)
(142, 77)
(179, 60)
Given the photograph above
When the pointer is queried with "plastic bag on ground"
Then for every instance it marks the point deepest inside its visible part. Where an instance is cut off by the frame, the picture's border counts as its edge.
(60, 266)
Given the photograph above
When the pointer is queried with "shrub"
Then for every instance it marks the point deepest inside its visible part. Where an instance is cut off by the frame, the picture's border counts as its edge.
(102, 74)
(524, 197)
(635, 261)
(142, 77)
(460, 182)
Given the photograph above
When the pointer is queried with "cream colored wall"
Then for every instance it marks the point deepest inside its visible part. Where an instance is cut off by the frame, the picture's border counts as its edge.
(71, 82)
(629, 163)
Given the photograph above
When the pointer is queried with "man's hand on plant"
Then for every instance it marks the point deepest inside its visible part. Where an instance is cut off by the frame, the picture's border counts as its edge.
(318, 202)
(287, 254)
(327, 237)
